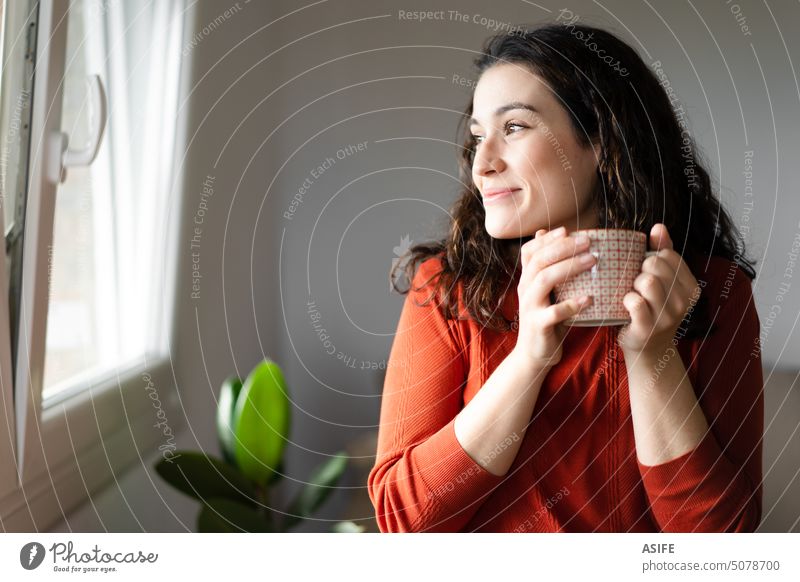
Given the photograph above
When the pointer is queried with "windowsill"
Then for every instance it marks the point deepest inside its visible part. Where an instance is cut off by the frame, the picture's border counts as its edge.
(65, 391)
(83, 390)
(89, 438)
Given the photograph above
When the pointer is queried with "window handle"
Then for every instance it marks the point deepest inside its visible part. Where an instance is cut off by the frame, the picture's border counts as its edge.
(62, 156)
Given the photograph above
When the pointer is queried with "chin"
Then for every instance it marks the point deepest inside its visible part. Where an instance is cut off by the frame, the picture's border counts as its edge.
(504, 233)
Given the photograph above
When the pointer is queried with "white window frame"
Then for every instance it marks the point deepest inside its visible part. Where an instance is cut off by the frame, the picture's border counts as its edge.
(8, 477)
(68, 450)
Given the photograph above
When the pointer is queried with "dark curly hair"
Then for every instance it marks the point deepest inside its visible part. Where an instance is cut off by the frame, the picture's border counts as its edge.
(648, 172)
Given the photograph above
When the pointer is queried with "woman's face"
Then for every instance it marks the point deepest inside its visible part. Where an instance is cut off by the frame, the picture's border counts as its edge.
(525, 142)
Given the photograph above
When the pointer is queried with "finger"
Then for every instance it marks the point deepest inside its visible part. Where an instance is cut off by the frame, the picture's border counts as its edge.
(685, 273)
(550, 235)
(663, 272)
(553, 251)
(659, 237)
(530, 247)
(652, 290)
(558, 273)
(641, 318)
(685, 294)
(540, 238)
(563, 310)
(675, 275)
(665, 257)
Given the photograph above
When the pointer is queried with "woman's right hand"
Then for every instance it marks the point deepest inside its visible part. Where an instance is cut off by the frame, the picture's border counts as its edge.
(549, 259)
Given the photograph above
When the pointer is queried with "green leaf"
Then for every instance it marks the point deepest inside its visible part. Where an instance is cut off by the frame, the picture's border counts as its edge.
(228, 395)
(261, 422)
(202, 476)
(347, 527)
(320, 486)
(226, 516)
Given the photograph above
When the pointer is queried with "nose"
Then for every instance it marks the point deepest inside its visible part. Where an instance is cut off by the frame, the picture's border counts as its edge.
(488, 159)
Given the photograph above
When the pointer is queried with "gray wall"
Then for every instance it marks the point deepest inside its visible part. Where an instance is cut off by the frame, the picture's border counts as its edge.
(268, 109)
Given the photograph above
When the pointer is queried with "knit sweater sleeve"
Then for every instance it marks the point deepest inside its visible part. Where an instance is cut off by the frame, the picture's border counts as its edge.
(716, 487)
(423, 479)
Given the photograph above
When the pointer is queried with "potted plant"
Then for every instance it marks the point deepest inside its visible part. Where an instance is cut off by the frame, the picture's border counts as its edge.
(253, 421)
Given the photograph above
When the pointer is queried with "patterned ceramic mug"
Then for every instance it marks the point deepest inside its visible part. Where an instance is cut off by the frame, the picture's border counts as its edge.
(619, 254)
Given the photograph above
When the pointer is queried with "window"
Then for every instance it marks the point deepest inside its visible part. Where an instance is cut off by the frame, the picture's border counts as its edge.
(88, 109)
(106, 265)
(17, 41)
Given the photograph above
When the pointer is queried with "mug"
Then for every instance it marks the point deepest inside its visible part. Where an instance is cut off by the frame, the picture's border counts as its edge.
(620, 254)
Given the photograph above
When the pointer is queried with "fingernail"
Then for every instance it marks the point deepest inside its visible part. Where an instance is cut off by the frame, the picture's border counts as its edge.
(586, 258)
(581, 239)
(561, 231)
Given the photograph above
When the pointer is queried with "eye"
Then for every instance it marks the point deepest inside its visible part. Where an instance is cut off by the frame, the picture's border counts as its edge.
(478, 138)
(513, 124)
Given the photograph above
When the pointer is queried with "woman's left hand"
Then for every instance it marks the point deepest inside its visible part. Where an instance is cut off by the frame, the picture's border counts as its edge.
(662, 295)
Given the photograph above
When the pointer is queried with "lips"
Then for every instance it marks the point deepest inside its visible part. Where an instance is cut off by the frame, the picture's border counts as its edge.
(496, 193)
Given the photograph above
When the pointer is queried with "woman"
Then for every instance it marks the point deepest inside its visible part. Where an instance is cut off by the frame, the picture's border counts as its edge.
(495, 415)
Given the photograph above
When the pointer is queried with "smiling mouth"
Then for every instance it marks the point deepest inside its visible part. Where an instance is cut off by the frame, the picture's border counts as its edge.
(498, 194)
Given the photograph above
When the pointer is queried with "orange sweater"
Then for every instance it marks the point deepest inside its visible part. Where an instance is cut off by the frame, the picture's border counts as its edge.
(576, 469)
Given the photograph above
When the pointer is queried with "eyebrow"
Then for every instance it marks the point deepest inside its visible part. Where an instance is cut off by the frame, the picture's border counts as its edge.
(509, 107)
